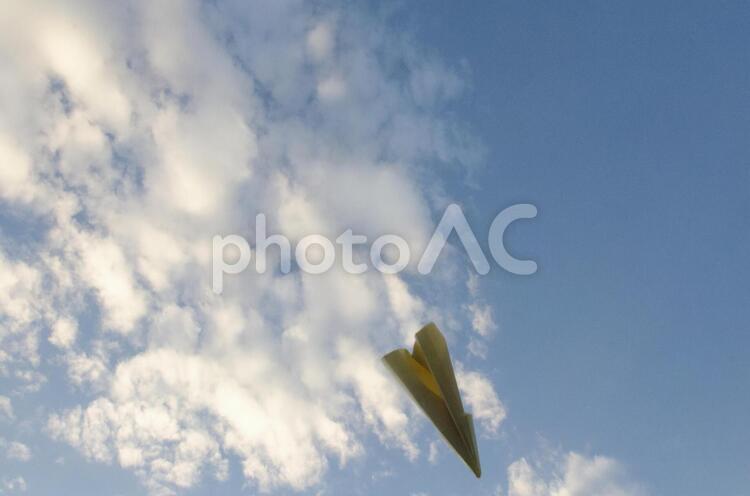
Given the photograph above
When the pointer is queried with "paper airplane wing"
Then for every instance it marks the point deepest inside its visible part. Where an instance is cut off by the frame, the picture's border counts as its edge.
(427, 374)
(434, 349)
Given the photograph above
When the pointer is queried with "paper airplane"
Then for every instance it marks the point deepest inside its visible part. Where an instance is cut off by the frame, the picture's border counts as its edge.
(427, 374)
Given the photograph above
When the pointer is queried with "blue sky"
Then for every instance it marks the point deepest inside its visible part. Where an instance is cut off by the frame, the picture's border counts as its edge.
(625, 123)
(618, 369)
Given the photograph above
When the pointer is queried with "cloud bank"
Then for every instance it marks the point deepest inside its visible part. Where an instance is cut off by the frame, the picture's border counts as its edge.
(133, 133)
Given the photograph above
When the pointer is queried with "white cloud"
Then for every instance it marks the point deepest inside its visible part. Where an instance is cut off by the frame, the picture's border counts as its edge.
(63, 333)
(6, 408)
(15, 169)
(481, 318)
(85, 369)
(332, 88)
(472, 283)
(481, 399)
(20, 285)
(477, 348)
(105, 268)
(16, 450)
(320, 40)
(21, 306)
(174, 327)
(12, 485)
(434, 452)
(571, 474)
(129, 148)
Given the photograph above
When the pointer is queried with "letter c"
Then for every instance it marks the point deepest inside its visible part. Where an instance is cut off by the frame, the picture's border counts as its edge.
(497, 246)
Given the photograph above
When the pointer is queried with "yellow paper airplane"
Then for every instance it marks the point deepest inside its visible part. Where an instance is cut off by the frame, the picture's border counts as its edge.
(427, 374)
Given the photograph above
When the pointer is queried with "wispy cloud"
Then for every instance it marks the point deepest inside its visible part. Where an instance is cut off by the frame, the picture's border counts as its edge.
(15, 450)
